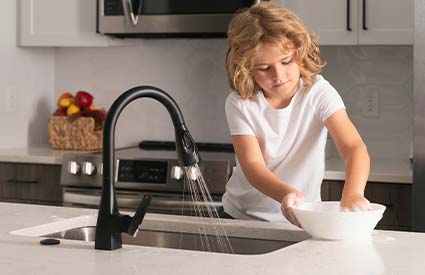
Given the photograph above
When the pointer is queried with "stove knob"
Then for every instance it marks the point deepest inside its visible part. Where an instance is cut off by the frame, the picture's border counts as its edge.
(176, 173)
(73, 167)
(88, 168)
(100, 169)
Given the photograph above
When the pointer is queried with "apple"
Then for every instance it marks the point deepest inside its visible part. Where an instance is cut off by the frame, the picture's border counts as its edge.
(60, 112)
(83, 99)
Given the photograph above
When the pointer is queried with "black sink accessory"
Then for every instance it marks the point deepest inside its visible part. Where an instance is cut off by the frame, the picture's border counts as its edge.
(50, 241)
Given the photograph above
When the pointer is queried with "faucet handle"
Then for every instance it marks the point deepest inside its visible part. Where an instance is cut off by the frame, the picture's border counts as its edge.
(137, 219)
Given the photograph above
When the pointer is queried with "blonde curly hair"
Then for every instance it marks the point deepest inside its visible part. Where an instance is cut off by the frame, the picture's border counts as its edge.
(265, 23)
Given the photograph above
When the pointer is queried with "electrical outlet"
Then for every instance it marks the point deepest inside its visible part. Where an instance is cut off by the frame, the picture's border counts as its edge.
(10, 100)
(371, 104)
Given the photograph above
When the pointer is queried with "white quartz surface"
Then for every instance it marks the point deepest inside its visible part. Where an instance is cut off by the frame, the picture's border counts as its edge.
(36, 155)
(381, 170)
(388, 252)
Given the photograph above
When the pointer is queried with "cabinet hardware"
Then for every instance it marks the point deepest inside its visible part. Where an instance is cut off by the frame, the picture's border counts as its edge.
(348, 16)
(364, 15)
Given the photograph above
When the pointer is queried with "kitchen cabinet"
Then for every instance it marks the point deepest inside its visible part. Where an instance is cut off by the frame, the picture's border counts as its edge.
(70, 23)
(352, 22)
(30, 183)
(396, 197)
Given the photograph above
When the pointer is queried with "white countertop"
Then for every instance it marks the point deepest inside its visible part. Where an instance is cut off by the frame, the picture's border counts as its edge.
(36, 155)
(388, 252)
(382, 170)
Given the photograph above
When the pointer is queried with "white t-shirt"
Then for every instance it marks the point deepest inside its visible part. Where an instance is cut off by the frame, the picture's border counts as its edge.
(292, 141)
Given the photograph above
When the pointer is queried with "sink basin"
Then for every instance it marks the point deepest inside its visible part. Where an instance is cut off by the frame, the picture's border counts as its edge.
(180, 232)
(177, 240)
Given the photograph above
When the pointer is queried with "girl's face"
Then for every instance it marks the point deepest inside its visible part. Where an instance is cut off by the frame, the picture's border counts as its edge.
(276, 72)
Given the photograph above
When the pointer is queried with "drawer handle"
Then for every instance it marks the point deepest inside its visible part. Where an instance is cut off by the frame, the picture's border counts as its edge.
(348, 16)
(364, 16)
(22, 181)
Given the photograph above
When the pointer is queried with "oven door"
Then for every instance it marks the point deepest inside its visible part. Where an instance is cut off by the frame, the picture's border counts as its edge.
(164, 203)
(167, 17)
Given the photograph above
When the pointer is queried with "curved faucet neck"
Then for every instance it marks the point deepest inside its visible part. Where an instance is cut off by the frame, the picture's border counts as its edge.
(108, 224)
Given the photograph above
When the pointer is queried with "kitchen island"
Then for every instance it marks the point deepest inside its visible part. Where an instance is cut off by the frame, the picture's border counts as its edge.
(388, 252)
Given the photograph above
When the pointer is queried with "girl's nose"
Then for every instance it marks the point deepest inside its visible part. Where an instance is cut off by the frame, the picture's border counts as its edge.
(276, 73)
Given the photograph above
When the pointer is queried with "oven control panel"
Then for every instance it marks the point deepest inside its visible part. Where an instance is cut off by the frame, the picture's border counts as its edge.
(144, 171)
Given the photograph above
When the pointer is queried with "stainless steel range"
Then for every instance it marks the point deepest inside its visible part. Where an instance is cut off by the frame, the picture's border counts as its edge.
(149, 168)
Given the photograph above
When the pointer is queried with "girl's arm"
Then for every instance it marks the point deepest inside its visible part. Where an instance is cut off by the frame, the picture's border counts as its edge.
(357, 162)
(255, 169)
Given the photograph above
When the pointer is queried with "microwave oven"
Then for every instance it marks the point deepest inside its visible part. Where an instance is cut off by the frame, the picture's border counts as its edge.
(167, 18)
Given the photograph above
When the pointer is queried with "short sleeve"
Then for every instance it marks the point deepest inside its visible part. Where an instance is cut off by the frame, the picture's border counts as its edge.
(237, 120)
(329, 101)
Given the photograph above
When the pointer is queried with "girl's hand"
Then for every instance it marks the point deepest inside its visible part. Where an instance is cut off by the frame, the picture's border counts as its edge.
(355, 202)
(293, 199)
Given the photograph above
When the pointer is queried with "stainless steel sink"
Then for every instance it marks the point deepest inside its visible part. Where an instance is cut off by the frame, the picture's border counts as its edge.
(188, 241)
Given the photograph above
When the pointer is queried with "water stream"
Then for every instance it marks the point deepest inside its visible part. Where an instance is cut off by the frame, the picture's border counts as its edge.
(212, 236)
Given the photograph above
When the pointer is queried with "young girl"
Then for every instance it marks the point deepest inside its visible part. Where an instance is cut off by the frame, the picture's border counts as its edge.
(279, 117)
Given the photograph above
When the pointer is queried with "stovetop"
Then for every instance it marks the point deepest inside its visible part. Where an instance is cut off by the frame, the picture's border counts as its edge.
(149, 149)
(171, 145)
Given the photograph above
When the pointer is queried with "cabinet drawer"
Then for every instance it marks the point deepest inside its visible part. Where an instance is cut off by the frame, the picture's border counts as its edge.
(396, 197)
(30, 182)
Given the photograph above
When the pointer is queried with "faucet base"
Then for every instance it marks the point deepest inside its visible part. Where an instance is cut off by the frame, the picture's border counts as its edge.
(108, 242)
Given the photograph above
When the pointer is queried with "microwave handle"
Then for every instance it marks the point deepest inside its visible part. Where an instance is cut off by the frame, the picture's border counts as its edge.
(134, 8)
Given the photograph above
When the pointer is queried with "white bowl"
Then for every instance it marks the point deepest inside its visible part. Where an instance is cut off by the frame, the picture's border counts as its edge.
(325, 220)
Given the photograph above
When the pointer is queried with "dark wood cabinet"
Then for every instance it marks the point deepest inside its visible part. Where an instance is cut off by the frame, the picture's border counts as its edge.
(396, 197)
(30, 183)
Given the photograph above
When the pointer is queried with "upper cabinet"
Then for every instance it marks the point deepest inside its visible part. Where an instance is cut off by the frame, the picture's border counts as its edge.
(70, 23)
(352, 22)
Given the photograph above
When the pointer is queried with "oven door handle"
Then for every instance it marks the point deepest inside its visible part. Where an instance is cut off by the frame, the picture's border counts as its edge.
(126, 200)
(93, 199)
(167, 202)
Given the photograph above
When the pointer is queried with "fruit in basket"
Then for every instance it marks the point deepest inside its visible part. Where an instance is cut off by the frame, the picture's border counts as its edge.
(60, 112)
(99, 117)
(65, 102)
(83, 99)
(64, 98)
(72, 110)
(80, 105)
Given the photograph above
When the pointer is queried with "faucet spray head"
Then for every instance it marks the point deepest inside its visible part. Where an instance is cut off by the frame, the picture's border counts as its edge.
(187, 152)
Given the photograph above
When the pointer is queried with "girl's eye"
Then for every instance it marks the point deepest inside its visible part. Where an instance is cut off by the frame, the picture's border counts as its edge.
(286, 62)
(263, 69)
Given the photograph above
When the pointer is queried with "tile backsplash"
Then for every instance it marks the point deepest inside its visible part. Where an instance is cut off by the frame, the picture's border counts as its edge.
(193, 72)
(360, 73)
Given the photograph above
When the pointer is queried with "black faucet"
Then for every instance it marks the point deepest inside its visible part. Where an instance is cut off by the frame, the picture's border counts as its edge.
(110, 223)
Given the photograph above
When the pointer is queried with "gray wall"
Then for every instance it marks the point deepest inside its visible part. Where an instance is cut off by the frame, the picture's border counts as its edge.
(419, 119)
(26, 86)
(193, 72)
(359, 71)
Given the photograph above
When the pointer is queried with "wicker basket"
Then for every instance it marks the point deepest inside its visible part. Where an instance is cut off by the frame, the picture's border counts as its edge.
(74, 134)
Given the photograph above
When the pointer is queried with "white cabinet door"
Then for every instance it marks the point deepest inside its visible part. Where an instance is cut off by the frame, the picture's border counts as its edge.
(386, 21)
(335, 21)
(58, 23)
(341, 22)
